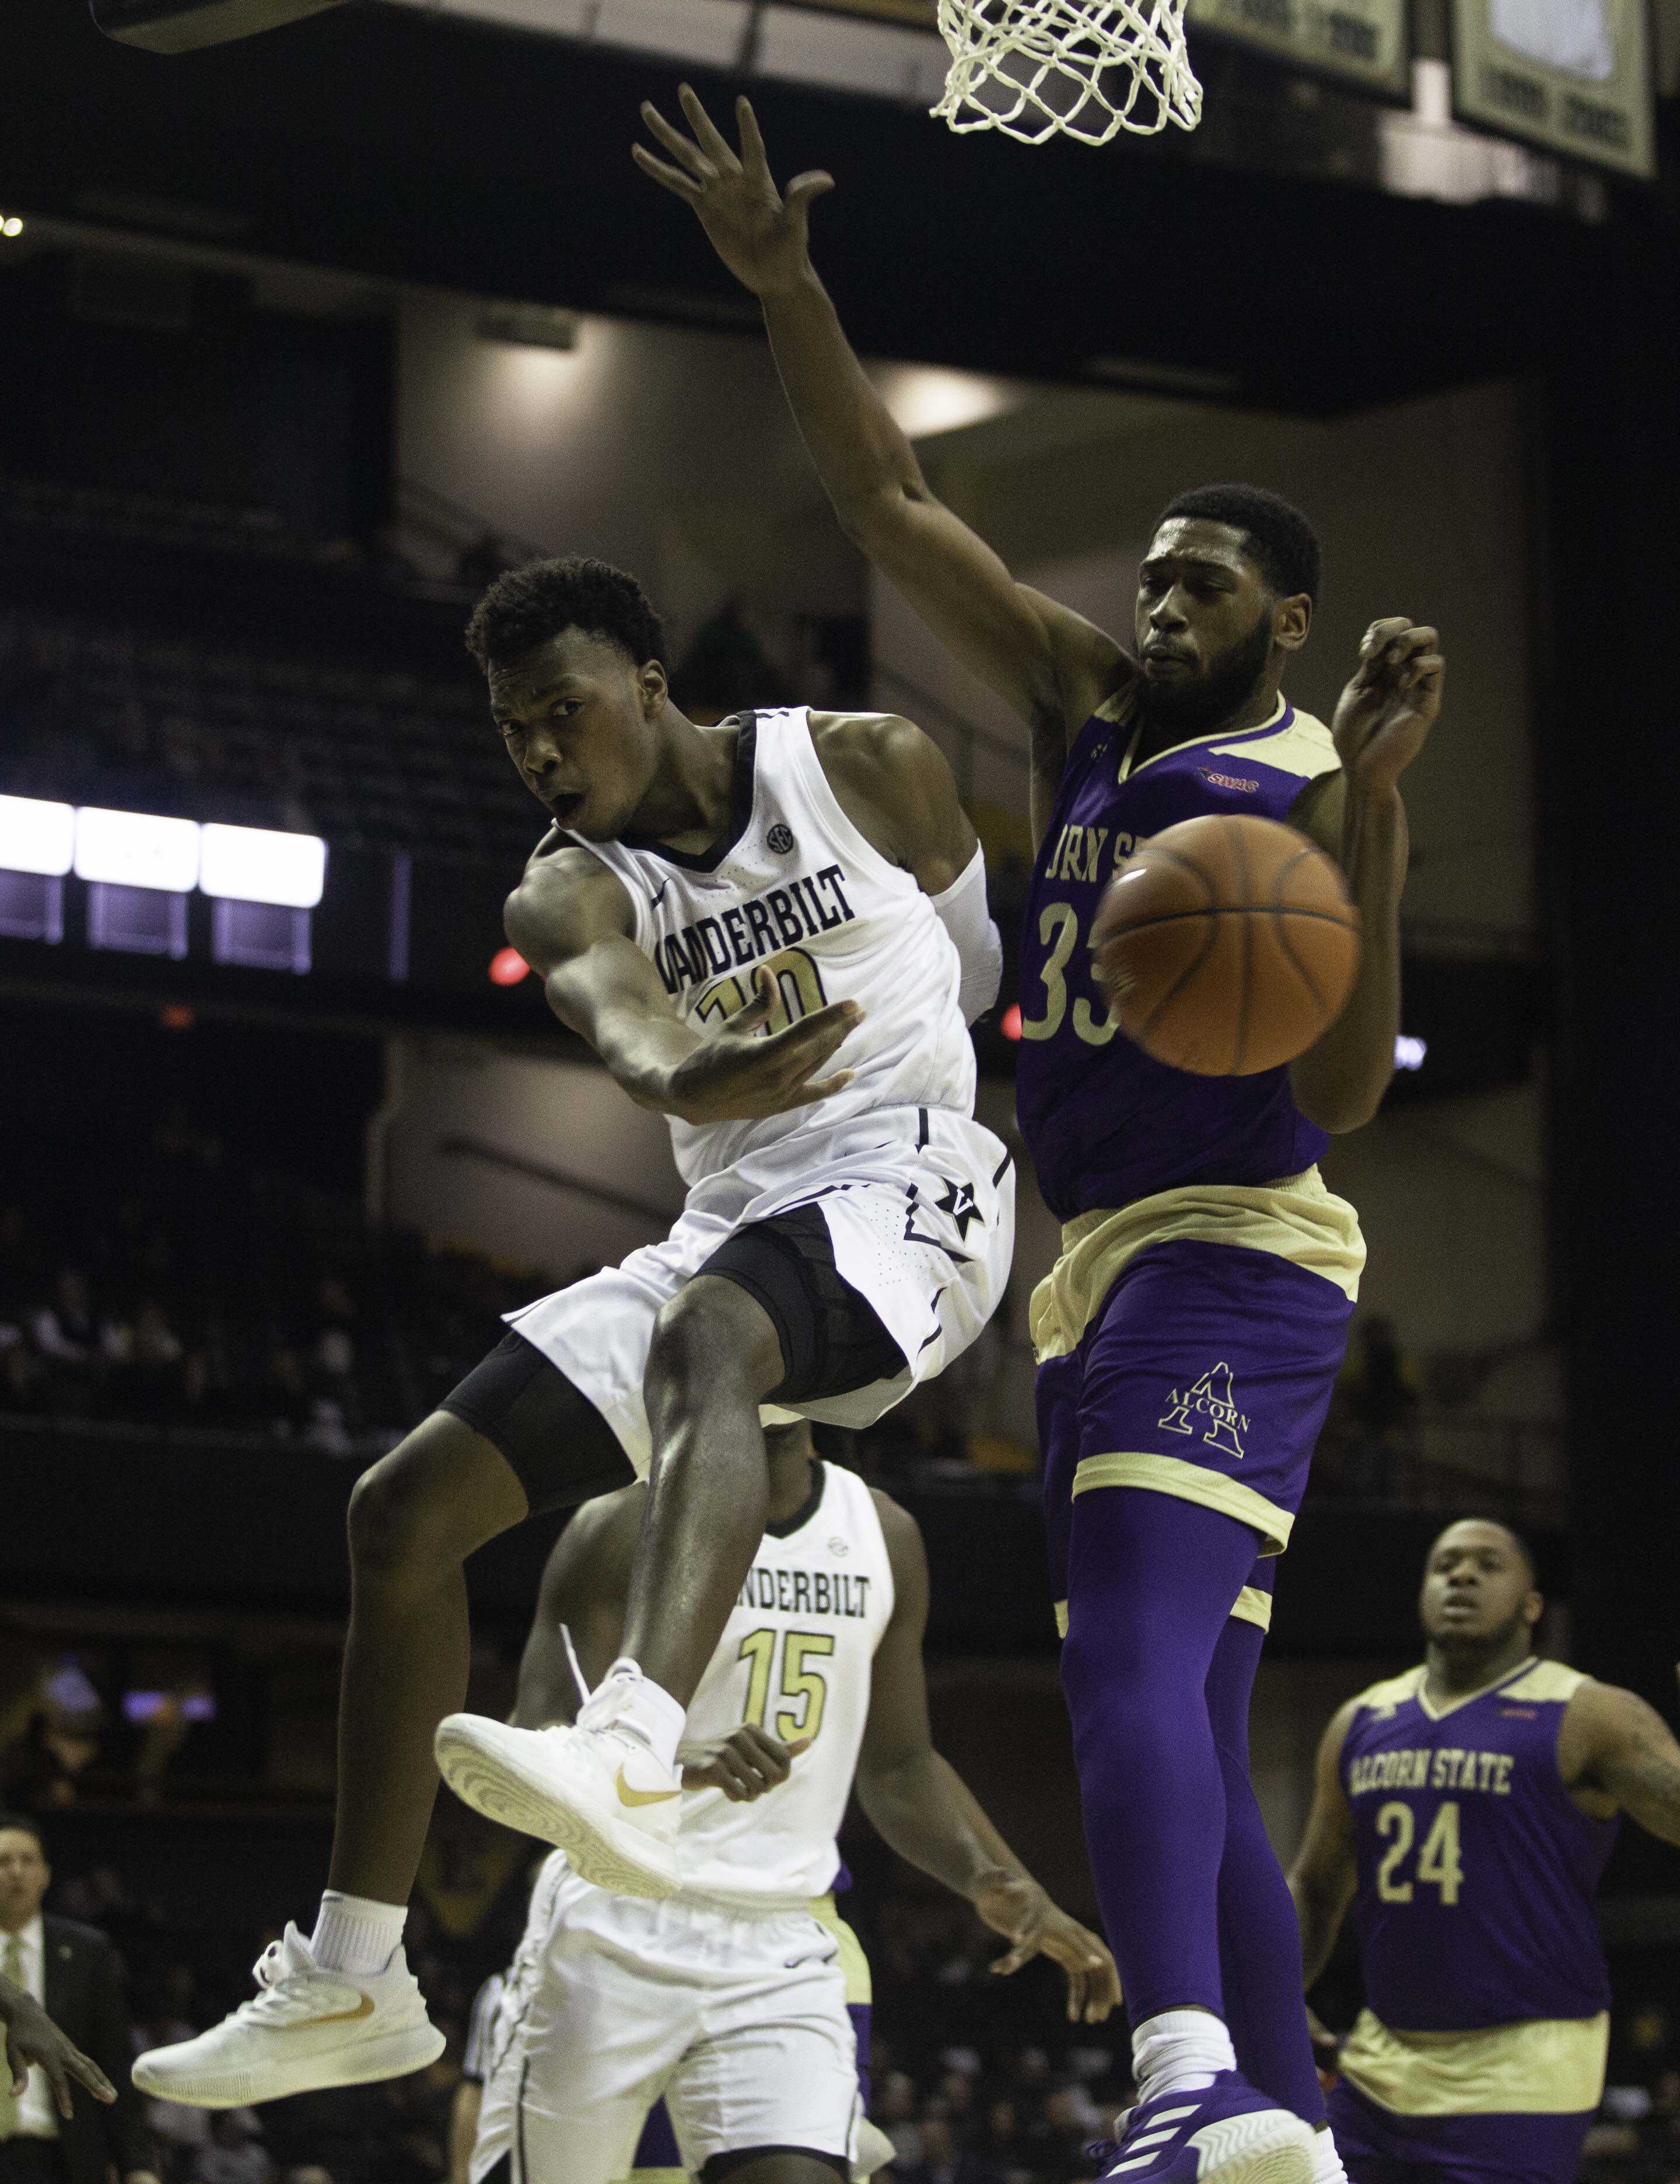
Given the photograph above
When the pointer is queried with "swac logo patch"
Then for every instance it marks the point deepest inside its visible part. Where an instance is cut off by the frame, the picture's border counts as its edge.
(1229, 780)
(1210, 1405)
(781, 839)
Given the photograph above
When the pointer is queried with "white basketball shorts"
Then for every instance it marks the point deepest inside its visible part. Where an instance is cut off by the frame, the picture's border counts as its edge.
(738, 2020)
(918, 1205)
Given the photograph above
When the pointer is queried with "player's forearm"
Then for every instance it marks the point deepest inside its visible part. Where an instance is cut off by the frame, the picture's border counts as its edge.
(463, 2129)
(864, 461)
(1339, 1083)
(1646, 1785)
(641, 1047)
(1319, 1915)
(924, 1810)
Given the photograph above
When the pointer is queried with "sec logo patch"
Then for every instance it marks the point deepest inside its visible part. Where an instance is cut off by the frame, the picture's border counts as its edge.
(781, 839)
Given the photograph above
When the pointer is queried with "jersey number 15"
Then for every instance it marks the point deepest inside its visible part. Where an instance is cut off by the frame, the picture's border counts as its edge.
(802, 1691)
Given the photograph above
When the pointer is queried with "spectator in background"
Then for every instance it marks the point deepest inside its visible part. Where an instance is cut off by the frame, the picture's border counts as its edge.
(895, 2113)
(234, 2153)
(945, 2161)
(61, 1741)
(64, 1328)
(72, 1971)
(333, 1408)
(1379, 1387)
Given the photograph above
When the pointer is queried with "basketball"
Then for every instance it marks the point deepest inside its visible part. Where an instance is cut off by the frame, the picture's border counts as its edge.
(1226, 944)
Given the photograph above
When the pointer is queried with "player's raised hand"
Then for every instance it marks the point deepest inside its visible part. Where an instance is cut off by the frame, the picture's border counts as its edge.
(1388, 708)
(1023, 1913)
(759, 231)
(739, 1075)
(745, 1765)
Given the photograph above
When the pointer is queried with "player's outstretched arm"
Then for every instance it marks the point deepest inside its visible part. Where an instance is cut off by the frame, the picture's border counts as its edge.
(1355, 813)
(927, 1813)
(1050, 665)
(1613, 1742)
(571, 921)
(1324, 1874)
(32, 2038)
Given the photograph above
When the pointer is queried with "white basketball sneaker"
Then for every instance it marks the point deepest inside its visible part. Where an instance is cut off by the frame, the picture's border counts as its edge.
(595, 1791)
(306, 2029)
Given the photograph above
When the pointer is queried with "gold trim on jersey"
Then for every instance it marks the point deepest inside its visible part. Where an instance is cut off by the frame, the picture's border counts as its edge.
(1189, 1482)
(1302, 745)
(1295, 742)
(1545, 2066)
(1299, 1219)
(1549, 1683)
(1545, 1683)
(859, 1983)
(1252, 1605)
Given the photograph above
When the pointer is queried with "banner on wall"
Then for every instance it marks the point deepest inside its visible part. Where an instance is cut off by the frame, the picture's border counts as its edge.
(1365, 41)
(1571, 76)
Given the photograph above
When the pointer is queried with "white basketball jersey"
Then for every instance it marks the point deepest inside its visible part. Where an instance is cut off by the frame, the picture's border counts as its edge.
(793, 888)
(796, 1659)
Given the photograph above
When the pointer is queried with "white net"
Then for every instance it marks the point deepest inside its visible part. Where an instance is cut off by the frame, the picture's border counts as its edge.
(1086, 68)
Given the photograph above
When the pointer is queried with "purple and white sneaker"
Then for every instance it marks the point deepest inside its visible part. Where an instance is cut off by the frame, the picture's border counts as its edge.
(1226, 2134)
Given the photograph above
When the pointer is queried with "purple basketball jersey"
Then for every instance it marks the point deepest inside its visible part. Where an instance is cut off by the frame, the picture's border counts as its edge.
(1477, 1868)
(1104, 1122)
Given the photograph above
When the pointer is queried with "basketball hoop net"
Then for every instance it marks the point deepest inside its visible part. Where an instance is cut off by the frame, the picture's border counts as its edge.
(1086, 68)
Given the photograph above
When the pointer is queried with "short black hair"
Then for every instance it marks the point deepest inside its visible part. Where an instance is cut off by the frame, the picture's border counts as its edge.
(24, 1826)
(527, 606)
(1282, 543)
(1520, 1541)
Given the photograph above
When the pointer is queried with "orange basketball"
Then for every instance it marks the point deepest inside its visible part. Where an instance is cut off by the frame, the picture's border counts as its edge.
(1226, 944)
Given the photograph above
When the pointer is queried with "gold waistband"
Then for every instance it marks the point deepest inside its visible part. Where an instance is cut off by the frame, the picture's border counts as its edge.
(1544, 2066)
(1299, 1219)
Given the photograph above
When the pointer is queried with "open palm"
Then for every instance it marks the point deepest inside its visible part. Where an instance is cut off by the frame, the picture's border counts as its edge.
(759, 231)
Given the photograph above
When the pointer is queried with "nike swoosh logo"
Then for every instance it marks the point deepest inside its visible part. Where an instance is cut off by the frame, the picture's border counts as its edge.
(660, 896)
(364, 2008)
(626, 1795)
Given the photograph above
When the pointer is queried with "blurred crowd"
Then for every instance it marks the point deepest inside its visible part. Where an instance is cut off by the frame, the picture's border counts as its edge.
(173, 1288)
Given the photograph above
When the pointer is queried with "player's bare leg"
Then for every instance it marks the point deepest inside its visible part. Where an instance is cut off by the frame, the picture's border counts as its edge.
(342, 2007)
(784, 2167)
(715, 1356)
(607, 1791)
(414, 1518)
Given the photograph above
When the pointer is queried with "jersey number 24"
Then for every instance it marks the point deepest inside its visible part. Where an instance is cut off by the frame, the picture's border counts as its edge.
(1439, 1865)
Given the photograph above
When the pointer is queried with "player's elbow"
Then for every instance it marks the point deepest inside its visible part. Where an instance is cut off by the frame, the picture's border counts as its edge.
(1339, 1100)
(874, 513)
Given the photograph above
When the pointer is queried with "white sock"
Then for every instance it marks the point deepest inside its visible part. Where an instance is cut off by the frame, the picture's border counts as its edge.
(354, 1934)
(1180, 2051)
(647, 1709)
(1326, 2162)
